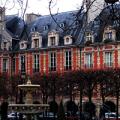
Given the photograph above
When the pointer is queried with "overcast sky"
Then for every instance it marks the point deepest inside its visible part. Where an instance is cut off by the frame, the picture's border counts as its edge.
(41, 6)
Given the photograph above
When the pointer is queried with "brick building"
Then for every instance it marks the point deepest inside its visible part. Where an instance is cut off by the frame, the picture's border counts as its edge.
(44, 46)
(41, 44)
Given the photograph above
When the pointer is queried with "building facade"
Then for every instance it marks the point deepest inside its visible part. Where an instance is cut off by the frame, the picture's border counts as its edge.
(43, 46)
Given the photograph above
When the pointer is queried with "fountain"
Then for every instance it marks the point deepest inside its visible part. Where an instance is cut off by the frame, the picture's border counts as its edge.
(28, 108)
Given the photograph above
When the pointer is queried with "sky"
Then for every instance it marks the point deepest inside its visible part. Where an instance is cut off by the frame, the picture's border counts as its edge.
(41, 6)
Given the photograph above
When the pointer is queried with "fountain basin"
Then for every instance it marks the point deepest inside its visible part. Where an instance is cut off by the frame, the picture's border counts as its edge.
(28, 108)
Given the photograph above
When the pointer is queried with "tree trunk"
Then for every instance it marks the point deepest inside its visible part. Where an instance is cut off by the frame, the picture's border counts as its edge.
(54, 89)
(90, 96)
(102, 94)
(70, 93)
(81, 95)
(117, 102)
(103, 98)
(90, 101)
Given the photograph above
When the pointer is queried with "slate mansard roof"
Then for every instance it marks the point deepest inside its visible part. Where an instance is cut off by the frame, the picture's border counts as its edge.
(105, 18)
(19, 29)
(72, 26)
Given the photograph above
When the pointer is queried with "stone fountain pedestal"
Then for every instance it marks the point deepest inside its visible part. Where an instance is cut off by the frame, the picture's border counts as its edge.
(29, 109)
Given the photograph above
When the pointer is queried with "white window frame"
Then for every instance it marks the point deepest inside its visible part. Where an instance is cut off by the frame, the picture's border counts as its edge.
(109, 33)
(62, 25)
(88, 60)
(53, 34)
(36, 41)
(68, 60)
(24, 43)
(24, 61)
(46, 27)
(5, 47)
(108, 59)
(6, 65)
(52, 41)
(36, 36)
(69, 38)
(52, 61)
(36, 64)
(89, 36)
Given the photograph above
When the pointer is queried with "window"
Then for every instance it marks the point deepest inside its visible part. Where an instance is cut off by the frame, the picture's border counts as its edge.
(36, 43)
(5, 45)
(0, 17)
(52, 64)
(22, 45)
(5, 65)
(88, 60)
(36, 63)
(68, 59)
(13, 65)
(67, 40)
(108, 59)
(22, 63)
(46, 27)
(62, 25)
(77, 22)
(108, 35)
(89, 36)
(52, 40)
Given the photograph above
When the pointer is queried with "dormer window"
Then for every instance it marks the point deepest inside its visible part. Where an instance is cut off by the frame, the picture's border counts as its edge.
(45, 27)
(0, 17)
(109, 34)
(23, 44)
(53, 38)
(5, 45)
(36, 40)
(62, 25)
(52, 41)
(68, 40)
(36, 43)
(89, 36)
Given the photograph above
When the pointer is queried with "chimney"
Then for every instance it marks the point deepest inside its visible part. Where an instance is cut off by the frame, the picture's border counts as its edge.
(31, 17)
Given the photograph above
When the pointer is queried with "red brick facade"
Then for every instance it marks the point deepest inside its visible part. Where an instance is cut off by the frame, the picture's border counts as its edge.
(77, 58)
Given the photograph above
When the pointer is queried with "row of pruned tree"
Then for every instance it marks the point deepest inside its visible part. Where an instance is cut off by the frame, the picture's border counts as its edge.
(87, 82)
